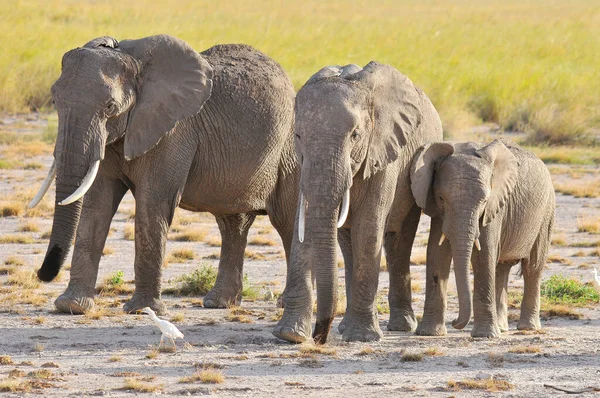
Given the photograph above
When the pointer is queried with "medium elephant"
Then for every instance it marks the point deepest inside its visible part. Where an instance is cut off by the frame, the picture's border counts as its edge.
(356, 132)
(499, 199)
(209, 132)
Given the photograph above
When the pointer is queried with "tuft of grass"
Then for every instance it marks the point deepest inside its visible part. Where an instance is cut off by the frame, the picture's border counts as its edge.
(588, 224)
(214, 242)
(207, 375)
(196, 283)
(261, 241)
(560, 311)
(115, 358)
(316, 349)
(6, 360)
(411, 357)
(496, 360)
(129, 231)
(29, 226)
(254, 255)
(140, 386)
(152, 354)
(179, 317)
(39, 347)
(11, 209)
(559, 289)
(16, 238)
(107, 251)
(433, 352)
(191, 236)
(490, 385)
(523, 349)
(25, 279)
(181, 255)
(14, 260)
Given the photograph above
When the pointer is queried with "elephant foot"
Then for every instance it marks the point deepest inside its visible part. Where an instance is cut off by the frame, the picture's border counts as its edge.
(71, 303)
(503, 325)
(486, 331)
(529, 324)
(402, 322)
(222, 298)
(431, 329)
(293, 329)
(362, 332)
(344, 324)
(137, 302)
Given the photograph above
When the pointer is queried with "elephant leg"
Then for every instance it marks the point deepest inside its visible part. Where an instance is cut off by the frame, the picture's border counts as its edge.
(228, 286)
(345, 242)
(398, 247)
(530, 307)
(99, 207)
(502, 274)
(439, 258)
(485, 322)
(283, 221)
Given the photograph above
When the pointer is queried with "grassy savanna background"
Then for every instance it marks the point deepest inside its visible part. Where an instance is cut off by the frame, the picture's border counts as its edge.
(526, 65)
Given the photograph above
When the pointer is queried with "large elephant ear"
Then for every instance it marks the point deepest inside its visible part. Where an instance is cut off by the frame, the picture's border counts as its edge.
(421, 173)
(504, 177)
(174, 82)
(396, 114)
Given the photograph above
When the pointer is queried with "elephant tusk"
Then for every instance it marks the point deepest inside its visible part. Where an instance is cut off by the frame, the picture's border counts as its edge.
(301, 218)
(45, 186)
(345, 209)
(477, 244)
(442, 239)
(87, 182)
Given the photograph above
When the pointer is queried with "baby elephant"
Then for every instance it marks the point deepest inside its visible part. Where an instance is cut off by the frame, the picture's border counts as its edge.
(491, 206)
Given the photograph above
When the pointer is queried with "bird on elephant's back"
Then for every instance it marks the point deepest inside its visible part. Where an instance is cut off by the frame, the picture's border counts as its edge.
(210, 131)
(492, 206)
(356, 130)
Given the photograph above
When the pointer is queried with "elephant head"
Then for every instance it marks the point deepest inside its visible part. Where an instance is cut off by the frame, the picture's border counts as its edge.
(466, 185)
(137, 90)
(350, 124)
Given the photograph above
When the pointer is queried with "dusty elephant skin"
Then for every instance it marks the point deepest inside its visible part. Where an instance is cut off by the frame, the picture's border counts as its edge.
(356, 131)
(492, 206)
(208, 131)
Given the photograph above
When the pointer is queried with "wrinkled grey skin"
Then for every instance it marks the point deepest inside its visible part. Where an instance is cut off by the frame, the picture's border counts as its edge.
(503, 196)
(208, 132)
(356, 129)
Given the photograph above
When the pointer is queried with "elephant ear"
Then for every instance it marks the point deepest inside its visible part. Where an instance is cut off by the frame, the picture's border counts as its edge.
(421, 173)
(102, 41)
(504, 177)
(174, 82)
(396, 114)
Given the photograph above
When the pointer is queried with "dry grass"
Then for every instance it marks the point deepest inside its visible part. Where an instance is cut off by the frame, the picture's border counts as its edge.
(129, 231)
(523, 349)
(11, 209)
(39, 347)
(261, 241)
(254, 255)
(559, 240)
(411, 357)
(107, 251)
(140, 386)
(178, 317)
(433, 352)
(588, 224)
(28, 226)
(24, 279)
(491, 385)
(316, 349)
(495, 359)
(6, 360)
(191, 236)
(14, 260)
(213, 241)
(181, 255)
(579, 189)
(559, 310)
(152, 354)
(16, 239)
(418, 259)
(207, 374)
(115, 358)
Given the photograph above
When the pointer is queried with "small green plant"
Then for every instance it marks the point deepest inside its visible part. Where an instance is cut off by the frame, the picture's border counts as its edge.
(249, 292)
(116, 278)
(196, 283)
(559, 289)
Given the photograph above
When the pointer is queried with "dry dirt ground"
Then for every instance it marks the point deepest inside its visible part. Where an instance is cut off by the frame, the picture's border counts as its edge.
(108, 353)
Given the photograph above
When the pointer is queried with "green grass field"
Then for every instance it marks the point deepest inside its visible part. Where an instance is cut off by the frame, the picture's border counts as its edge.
(531, 65)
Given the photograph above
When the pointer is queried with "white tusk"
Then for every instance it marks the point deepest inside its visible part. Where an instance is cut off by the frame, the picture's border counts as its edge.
(87, 182)
(345, 207)
(45, 186)
(477, 244)
(442, 239)
(301, 218)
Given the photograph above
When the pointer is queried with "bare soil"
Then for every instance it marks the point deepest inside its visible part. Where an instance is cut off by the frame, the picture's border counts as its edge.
(94, 357)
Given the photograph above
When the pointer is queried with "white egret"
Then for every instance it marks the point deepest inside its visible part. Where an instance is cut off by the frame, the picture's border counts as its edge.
(168, 330)
(596, 280)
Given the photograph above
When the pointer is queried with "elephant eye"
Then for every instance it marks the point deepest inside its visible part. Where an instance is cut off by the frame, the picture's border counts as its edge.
(111, 108)
(298, 136)
(355, 136)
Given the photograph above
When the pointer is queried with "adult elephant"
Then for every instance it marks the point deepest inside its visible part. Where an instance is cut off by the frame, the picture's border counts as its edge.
(356, 132)
(208, 131)
(492, 206)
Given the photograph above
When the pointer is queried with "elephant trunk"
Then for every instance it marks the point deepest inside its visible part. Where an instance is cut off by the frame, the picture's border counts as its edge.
(75, 173)
(462, 242)
(325, 187)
